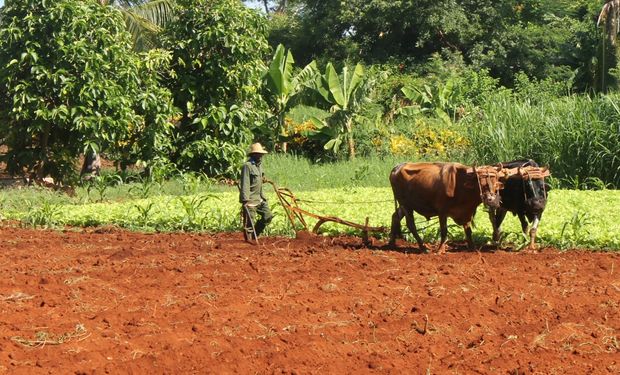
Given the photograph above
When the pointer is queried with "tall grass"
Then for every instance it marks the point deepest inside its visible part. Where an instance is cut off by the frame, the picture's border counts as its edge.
(577, 136)
(300, 174)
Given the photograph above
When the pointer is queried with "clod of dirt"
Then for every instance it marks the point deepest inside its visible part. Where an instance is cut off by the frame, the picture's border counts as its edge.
(121, 255)
(329, 287)
(304, 235)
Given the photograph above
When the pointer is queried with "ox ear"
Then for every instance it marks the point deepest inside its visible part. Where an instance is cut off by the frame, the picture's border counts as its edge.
(545, 172)
(448, 178)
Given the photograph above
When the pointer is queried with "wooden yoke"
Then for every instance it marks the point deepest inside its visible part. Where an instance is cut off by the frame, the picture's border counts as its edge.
(530, 173)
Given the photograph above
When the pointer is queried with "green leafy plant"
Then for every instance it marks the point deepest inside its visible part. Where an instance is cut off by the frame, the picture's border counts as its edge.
(72, 84)
(192, 218)
(102, 183)
(283, 84)
(144, 19)
(438, 99)
(345, 95)
(144, 211)
(145, 188)
(192, 182)
(46, 215)
(574, 229)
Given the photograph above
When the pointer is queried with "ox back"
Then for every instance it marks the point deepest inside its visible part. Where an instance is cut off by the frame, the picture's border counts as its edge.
(525, 198)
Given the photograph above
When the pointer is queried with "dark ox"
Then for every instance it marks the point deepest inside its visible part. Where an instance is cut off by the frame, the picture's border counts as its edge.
(524, 194)
(442, 189)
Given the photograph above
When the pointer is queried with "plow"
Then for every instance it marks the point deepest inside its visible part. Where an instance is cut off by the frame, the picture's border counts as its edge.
(296, 217)
(295, 214)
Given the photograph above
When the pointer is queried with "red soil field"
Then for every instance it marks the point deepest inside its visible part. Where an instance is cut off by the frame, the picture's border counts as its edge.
(110, 301)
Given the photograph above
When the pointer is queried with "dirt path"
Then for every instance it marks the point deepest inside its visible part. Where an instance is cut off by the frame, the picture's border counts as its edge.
(116, 301)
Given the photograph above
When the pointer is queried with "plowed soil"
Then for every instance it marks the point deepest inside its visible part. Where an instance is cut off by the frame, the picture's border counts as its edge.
(109, 301)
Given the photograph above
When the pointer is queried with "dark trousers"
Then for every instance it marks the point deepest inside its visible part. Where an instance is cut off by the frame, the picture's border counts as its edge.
(265, 214)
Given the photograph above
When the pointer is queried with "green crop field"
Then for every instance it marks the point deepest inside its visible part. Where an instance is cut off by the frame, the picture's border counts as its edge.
(585, 219)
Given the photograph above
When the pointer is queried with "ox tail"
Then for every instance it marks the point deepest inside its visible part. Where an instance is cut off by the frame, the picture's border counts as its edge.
(393, 173)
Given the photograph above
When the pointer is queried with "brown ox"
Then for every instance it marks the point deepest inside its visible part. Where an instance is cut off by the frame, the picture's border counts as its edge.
(442, 189)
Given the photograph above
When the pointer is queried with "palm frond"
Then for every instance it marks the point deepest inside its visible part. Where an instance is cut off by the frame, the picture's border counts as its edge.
(158, 12)
(144, 19)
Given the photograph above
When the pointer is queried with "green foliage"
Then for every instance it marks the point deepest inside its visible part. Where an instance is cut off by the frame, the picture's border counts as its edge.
(46, 215)
(344, 94)
(101, 184)
(145, 188)
(283, 85)
(70, 82)
(193, 219)
(218, 48)
(143, 19)
(144, 211)
(544, 39)
(575, 136)
(438, 99)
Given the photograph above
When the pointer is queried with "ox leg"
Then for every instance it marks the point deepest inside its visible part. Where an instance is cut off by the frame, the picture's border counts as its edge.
(533, 232)
(468, 235)
(443, 231)
(497, 217)
(396, 231)
(414, 230)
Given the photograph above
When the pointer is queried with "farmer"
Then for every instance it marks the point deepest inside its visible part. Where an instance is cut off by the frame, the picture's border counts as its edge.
(251, 188)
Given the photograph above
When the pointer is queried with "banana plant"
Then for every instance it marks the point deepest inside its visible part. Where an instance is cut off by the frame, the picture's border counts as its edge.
(282, 85)
(438, 100)
(345, 95)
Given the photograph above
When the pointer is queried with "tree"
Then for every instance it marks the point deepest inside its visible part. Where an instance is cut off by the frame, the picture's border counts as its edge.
(72, 84)
(218, 48)
(610, 18)
(282, 85)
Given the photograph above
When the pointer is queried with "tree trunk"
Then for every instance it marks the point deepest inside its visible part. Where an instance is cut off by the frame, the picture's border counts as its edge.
(350, 138)
(284, 144)
(43, 143)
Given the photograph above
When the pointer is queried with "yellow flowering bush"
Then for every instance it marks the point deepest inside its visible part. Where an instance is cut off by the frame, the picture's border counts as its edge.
(428, 140)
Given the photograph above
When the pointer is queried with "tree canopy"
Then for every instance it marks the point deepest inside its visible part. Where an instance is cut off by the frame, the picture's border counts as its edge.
(218, 49)
(70, 82)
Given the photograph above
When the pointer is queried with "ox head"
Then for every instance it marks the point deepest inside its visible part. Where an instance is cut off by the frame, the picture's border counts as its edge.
(534, 188)
(489, 184)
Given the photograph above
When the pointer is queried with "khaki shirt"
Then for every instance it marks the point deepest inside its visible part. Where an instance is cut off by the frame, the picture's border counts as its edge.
(251, 189)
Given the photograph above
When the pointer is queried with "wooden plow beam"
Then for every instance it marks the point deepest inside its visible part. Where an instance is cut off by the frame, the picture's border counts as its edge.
(290, 203)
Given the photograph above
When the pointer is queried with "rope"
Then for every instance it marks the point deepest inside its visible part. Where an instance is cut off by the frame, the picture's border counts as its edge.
(343, 203)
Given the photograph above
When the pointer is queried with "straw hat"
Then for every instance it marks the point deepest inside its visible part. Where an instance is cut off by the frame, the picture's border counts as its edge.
(256, 148)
